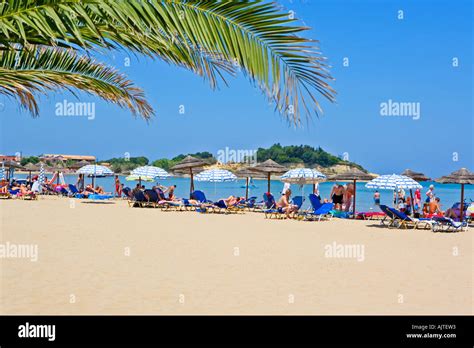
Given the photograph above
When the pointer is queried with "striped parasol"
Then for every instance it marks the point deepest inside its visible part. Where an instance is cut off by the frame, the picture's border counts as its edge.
(139, 178)
(393, 182)
(41, 175)
(302, 176)
(215, 175)
(150, 172)
(95, 170)
(2, 172)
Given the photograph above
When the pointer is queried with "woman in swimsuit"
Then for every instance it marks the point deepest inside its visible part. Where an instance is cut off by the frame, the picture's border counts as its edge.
(338, 197)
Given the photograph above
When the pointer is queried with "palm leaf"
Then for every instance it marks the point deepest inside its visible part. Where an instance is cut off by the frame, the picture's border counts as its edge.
(30, 71)
(204, 36)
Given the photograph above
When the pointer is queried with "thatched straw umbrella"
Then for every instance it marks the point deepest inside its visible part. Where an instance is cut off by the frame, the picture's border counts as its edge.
(415, 175)
(11, 165)
(462, 176)
(247, 174)
(188, 164)
(352, 175)
(269, 167)
(80, 164)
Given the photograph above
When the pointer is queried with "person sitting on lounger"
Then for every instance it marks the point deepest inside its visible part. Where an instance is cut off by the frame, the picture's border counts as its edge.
(231, 200)
(89, 189)
(454, 212)
(135, 190)
(24, 191)
(3, 186)
(284, 204)
(15, 188)
(434, 207)
(170, 191)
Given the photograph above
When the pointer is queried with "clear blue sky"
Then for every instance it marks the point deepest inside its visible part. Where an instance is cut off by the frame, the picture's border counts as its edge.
(407, 60)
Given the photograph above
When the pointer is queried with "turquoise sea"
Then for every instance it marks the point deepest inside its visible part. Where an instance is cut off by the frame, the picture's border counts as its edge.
(448, 193)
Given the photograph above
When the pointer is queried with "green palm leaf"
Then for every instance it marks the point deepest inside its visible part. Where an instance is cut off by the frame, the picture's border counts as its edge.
(207, 37)
(31, 71)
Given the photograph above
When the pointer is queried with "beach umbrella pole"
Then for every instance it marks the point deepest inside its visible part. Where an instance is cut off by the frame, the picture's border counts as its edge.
(191, 188)
(268, 182)
(462, 203)
(354, 199)
(412, 203)
(247, 188)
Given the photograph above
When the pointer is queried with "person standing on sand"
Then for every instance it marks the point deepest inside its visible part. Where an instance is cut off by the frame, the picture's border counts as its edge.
(348, 193)
(338, 197)
(118, 187)
(430, 195)
(377, 197)
(80, 182)
(417, 200)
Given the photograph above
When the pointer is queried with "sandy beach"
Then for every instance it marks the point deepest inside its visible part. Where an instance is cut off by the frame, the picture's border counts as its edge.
(111, 259)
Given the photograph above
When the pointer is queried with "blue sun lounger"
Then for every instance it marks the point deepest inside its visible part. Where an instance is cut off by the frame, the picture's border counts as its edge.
(323, 212)
(99, 197)
(74, 192)
(389, 217)
(445, 224)
(279, 213)
(138, 200)
(402, 220)
(200, 197)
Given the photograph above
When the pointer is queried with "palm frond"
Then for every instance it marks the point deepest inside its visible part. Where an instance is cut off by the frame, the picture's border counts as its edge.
(207, 37)
(36, 70)
(92, 24)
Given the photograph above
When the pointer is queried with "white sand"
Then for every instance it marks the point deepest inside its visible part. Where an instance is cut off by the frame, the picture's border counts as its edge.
(187, 263)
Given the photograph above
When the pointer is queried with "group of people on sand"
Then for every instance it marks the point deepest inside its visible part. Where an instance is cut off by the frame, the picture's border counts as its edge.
(340, 196)
(163, 193)
(16, 188)
(89, 189)
(167, 194)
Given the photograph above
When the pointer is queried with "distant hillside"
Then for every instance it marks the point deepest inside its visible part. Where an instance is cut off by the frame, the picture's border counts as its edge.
(289, 156)
(303, 155)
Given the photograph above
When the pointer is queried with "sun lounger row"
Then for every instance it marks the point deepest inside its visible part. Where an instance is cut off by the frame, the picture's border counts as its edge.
(397, 219)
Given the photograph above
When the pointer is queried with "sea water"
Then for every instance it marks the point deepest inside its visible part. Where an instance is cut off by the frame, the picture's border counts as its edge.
(448, 193)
